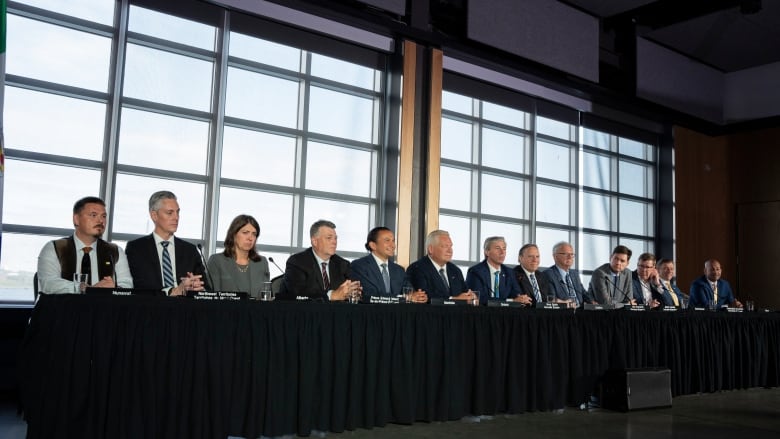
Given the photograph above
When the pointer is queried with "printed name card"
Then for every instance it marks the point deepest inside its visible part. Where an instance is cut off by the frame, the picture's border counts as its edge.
(217, 295)
(384, 299)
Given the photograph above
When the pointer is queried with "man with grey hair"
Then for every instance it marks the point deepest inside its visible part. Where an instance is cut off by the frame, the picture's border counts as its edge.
(161, 261)
(564, 280)
(318, 272)
(435, 274)
(491, 278)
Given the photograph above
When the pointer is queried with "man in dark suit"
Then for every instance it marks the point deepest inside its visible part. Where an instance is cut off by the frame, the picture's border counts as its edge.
(672, 296)
(564, 280)
(491, 279)
(710, 288)
(647, 286)
(533, 284)
(377, 273)
(435, 274)
(318, 272)
(161, 261)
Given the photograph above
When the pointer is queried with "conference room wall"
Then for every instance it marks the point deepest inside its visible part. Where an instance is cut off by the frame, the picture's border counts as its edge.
(714, 175)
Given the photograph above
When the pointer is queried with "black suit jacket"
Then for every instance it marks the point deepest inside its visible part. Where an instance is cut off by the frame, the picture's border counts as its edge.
(146, 268)
(528, 289)
(368, 273)
(303, 276)
(422, 275)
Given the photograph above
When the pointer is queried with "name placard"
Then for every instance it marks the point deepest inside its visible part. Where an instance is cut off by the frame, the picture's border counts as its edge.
(508, 303)
(217, 295)
(669, 308)
(384, 299)
(731, 309)
(552, 305)
(635, 307)
(96, 291)
(440, 301)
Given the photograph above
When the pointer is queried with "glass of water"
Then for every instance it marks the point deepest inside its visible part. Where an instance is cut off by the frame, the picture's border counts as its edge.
(79, 283)
(266, 293)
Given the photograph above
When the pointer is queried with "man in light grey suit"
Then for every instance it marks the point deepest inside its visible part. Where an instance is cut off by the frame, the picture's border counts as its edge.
(611, 283)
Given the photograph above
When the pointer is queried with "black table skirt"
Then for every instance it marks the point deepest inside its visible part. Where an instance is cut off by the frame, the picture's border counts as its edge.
(171, 367)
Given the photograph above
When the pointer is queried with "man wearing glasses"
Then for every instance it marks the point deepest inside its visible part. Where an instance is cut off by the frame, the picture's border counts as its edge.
(564, 280)
(647, 285)
(84, 252)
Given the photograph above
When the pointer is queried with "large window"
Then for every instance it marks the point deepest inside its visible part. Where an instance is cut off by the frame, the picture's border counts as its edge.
(227, 111)
(532, 171)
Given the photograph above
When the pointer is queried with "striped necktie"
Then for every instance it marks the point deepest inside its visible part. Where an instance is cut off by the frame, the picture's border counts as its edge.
(168, 281)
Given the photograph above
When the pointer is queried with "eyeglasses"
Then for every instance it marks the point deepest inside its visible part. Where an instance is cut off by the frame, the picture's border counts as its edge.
(568, 255)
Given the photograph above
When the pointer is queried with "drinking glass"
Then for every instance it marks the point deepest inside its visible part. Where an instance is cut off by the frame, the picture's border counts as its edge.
(406, 292)
(266, 293)
(79, 283)
(750, 305)
(475, 300)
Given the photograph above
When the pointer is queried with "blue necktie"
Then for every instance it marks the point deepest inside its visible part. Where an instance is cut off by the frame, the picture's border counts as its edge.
(495, 284)
(570, 286)
(167, 266)
(537, 294)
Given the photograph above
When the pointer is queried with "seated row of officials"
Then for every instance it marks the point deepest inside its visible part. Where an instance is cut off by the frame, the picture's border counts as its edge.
(161, 261)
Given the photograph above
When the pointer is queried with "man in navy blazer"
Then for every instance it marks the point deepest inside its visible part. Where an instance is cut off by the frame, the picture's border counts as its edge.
(711, 287)
(671, 293)
(370, 270)
(435, 274)
(318, 272)
(564, 280)
(491, 279)
(647, 285)
(527, 273)
(145, 255)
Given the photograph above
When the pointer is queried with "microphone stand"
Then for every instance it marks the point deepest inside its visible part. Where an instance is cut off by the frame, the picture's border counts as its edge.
(205, 267)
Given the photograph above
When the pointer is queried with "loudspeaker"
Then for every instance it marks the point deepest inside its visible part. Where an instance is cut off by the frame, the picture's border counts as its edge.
(633, 389)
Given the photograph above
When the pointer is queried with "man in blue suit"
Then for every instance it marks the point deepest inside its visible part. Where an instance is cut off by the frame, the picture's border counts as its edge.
(435, 274)
(564, 280)
(711, 287)
(491, 279)
(647, 286)
(378, 275)
(671, 294)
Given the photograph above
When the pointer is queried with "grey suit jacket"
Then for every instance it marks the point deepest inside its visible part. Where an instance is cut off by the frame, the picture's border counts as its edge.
(223, 272)
(602, 287)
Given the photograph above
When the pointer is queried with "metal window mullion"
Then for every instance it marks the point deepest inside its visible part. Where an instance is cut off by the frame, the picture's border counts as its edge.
(216, 135)
(113, 109)
(299, 204)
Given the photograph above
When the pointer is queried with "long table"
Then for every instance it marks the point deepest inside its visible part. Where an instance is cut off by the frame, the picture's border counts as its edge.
(175, 367)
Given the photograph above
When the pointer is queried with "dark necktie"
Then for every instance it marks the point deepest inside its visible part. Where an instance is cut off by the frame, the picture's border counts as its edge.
(443, 275)
(325, 279)
(386, 278)
(167, 266)
(86, 264)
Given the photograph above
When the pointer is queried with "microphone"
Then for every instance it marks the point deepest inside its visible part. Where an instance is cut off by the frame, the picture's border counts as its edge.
(205, 268)
(277, 267)
(617, 288)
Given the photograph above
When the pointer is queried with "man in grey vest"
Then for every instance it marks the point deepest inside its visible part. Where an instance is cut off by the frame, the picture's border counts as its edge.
(104, 264)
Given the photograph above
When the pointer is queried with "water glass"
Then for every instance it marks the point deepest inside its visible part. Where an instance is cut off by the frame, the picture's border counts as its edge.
(475, 300)
(79, 283)
(750, 305)
(266, 293)
(406, 292)
(550, 298)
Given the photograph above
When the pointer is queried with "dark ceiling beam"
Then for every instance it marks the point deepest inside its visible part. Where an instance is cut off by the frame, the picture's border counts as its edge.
(664, 13)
